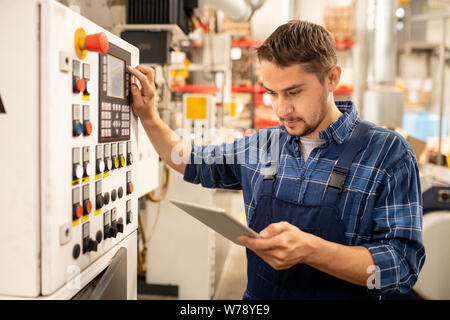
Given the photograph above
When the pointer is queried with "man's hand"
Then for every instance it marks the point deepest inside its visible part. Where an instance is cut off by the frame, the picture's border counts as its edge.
(282, 245)
(143, 101)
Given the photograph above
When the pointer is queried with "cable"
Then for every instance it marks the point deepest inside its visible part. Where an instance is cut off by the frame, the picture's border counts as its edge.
(164, 190)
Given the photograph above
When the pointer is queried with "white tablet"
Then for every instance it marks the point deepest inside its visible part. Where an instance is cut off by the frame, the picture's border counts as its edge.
(217, 219)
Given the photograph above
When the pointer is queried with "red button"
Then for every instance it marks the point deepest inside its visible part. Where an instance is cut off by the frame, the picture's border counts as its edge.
(97, 42)
(88, 207)
(79, 212)
(88, 128)
(81, 85)
(130, 188)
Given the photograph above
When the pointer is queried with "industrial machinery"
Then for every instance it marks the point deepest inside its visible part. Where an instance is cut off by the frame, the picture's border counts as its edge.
(69, 136)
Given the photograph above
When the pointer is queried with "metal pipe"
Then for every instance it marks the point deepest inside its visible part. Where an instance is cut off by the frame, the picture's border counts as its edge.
(385, 42)
(236, 10)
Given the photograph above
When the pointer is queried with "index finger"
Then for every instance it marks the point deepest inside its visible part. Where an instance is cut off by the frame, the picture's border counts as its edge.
(143, 79)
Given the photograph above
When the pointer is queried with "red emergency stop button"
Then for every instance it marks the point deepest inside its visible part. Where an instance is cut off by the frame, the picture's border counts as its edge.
(97, 42)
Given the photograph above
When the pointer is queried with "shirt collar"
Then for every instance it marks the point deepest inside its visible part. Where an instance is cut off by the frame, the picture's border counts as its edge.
(340, 129)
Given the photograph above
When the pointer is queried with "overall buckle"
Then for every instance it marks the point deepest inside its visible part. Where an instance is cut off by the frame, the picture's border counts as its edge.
(337, 178)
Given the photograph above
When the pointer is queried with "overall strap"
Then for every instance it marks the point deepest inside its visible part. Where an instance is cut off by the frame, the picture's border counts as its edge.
(272, 163)
(336, 181)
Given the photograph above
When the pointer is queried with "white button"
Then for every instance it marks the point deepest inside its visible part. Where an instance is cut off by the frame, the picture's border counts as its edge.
(88, 169)
(78, 171)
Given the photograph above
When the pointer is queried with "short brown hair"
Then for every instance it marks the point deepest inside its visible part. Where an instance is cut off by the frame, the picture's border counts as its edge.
(300, 42)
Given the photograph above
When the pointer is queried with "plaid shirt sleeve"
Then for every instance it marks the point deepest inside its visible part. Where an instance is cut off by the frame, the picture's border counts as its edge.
(216, 166)
(396, 246)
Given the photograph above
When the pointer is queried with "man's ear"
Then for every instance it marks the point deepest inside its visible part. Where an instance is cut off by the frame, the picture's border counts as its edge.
(333, 77)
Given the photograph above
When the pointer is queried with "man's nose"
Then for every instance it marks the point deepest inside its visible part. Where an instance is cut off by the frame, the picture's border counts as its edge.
(285, 106)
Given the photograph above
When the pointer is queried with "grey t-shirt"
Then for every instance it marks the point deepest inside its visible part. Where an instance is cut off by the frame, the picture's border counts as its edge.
(308, 144)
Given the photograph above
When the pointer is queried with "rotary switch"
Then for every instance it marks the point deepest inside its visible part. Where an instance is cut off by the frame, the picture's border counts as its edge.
(118, 225)
(89, 245)
(110, 231)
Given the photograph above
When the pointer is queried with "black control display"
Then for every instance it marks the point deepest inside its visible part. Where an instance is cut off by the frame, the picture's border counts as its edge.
(114, 95)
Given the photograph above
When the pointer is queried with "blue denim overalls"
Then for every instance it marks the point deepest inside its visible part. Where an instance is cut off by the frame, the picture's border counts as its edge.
(302, 281)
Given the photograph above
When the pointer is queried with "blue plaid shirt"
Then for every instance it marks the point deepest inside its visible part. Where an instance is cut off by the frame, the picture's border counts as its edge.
(381, 207)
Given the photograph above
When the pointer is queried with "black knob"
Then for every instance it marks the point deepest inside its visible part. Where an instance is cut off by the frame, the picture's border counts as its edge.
(130, 159)
(99, 236)
(76, 251)
(106, 232)
(114, 195)
(99, 201)
(120, 225)
(89, 245)
(106, 198)
(120, 192)
(112, 231)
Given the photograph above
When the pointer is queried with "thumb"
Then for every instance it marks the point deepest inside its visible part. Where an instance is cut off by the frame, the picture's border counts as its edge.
(273, 229)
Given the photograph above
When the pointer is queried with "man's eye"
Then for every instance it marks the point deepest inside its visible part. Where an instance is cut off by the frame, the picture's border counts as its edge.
(272, 93)
(293, 93)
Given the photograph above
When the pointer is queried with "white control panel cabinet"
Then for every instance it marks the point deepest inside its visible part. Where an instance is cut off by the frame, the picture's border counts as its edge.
(68, 137)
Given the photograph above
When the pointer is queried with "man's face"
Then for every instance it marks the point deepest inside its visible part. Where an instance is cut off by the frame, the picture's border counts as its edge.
(298, 98)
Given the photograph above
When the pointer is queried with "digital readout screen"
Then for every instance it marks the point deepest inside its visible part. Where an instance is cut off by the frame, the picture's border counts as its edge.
(116, 77)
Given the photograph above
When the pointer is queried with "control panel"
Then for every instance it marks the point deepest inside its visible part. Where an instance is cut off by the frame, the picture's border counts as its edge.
(73, 141)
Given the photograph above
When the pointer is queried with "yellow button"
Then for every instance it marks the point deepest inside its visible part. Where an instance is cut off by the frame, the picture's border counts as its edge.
(116, 163)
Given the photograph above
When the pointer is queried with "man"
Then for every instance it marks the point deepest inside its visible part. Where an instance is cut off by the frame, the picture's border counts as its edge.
(336, 200)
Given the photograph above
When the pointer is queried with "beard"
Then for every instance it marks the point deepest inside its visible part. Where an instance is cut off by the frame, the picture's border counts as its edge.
(310, 127)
